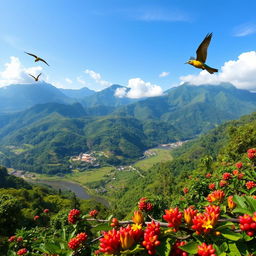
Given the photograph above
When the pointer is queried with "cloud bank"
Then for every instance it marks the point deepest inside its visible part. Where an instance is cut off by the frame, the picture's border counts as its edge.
(16, 73)
(241, 73)
(97, 78)
(137, 88)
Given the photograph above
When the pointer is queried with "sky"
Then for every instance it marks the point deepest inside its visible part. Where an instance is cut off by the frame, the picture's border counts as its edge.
(142, 44)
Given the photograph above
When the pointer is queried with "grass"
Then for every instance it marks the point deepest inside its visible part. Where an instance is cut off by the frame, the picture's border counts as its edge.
(162, 155)
(89, 176)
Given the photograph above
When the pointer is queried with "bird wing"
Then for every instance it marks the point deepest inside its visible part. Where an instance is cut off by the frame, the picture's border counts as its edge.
(33, 76)
(31, 54)
(39, 75)
(44, 61)
(201, 52)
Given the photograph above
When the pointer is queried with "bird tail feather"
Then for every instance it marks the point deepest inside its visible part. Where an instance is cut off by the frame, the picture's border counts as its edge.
(211, 70)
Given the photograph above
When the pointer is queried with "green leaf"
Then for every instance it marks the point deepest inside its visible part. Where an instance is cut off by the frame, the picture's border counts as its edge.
(165, 247)
(138, 248)
(233, 250)
(231, 235)
(239, 201)
(190, 247)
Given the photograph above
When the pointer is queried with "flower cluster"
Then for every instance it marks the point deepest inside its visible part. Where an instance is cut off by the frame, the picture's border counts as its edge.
(138, 217)
(239, 165)
(75, 242)
(251, 153)
(250, 184)
(73, 216)
(36, 217)
(211, 186)
(185, 190)
(226, 176)
(216, 196)
(110, 243)
(22, 251)
(145, 205)
(12, 239)
(231, 203)
(126, 237)
(151, 237)
(176, 251)
(173, 217)
(206, 250)
(204, 222)
(114, 222)
(248, 223)
(93, 213)
(46, 210)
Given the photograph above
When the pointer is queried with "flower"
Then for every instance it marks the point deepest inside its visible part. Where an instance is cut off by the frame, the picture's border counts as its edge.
(204, 222)
(231, 203)
(137, 232)
(151, 237)
(176, 251)
(208, 175)
(110, 243)
(240, 176)
(22, 251)
(126, 237)
(235, 172)
(251, 153)
(211, 186)
(75, 242)
(250, 184)
(173, 217)
(226, 176)
(93, 213)
(247, 223)
(19, 239)
(73, 216)
(216, 196)
(145, 205)
(185, 190)
(206, 250)
(239, 165)
(189, 214)
(223, 183)
(46, 210)
(12, 239)
(138, 217)
(36, 217)
(114, 222)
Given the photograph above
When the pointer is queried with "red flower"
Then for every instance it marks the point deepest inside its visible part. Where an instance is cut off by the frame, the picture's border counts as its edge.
(36, 217)
(226, 176)
(250, 184)
(93, 213)
(239, 165)
(145, 205)
(235, 172)
(206, 250)
(251, 153)
(240, 176)
(19, 239)
(114, 222)
(223, 183)
(248, 223)
(46, 210)
(12, 239)
(231, 203)
(75, 242)
(216, 196)
(126, 237)
(22, 251)
(211, 186)
(185, 190)
(110, 243)
(189, 214)
(173, 217)
(176, 251)
(73, 216)
(151, 237)
(208, 175)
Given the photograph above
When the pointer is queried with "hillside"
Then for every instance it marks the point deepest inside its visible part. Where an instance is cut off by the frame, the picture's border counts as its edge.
(17, 97)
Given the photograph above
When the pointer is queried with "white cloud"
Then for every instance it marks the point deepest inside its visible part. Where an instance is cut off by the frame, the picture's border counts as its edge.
(68, 80)
(97, 78)
(16, 73)
(80, 80)
(137, 88)
(245, 30)
(240, 73)
(164, 74)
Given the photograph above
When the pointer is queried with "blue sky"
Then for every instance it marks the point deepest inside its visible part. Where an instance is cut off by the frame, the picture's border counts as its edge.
(118, 40)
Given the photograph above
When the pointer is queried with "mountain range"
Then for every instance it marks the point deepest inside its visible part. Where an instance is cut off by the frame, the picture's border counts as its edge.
(43, 137)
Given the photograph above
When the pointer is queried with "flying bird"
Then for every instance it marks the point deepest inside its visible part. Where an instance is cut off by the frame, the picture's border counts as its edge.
(201, 55)
(37, 58)
(36, 78)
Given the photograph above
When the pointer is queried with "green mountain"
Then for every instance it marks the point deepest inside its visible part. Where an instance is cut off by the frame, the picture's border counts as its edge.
(194, 109)
(18, 97)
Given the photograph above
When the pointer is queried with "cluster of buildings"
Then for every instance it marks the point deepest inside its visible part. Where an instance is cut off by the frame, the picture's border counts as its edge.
(83, 157)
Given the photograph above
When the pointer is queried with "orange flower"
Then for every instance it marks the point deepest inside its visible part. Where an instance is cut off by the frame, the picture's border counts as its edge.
(173, 217)
(231, 203)
(216, 196)
(126, 237)
(138, 217)
(189, 214)
(236, 172)
(206, 250)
